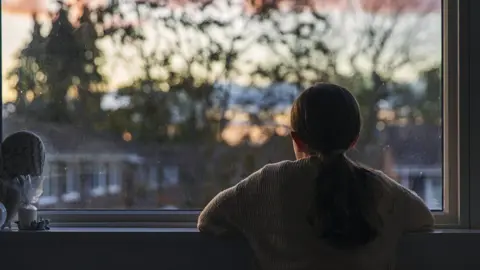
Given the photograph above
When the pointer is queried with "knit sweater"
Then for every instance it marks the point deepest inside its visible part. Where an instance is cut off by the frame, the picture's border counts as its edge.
(270, 208)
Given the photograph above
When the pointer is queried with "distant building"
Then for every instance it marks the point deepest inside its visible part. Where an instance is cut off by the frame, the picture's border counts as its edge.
(80, 167)
(90, 170)
(413, 156)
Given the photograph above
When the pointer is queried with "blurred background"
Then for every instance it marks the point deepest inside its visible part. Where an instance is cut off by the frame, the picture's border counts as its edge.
(153, 104)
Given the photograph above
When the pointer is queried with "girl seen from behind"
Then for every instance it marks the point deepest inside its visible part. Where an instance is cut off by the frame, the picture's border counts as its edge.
(322, 211)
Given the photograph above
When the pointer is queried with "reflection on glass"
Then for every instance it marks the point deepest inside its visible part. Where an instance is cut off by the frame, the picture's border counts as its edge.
(149, 105)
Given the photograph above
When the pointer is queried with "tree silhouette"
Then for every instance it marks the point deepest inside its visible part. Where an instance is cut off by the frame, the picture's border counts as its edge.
(361, 49)
(26, 75)
(188, 58)
(431, 104)
(88, 80)
(60, 62)
(59, 70)
(193, 48)
(388, 38)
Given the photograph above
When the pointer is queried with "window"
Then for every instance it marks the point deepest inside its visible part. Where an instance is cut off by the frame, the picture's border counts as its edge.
(114, 178)
(71, 183)
(157, 107)
(153, 177)
(99, 182)
(50, 188)
(170, 176)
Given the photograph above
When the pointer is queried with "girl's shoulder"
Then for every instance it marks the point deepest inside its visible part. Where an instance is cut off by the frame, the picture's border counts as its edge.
(388, 182)
(287, 168)
(276, 173)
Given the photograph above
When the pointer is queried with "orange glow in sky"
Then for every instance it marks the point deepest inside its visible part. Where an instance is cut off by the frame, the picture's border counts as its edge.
(40, 6)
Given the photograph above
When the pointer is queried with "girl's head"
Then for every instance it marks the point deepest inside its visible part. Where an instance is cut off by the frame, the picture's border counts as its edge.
(325, 121)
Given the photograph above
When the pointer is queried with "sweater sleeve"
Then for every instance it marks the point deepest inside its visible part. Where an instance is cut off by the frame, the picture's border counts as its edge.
(417, 215)
(223, 214)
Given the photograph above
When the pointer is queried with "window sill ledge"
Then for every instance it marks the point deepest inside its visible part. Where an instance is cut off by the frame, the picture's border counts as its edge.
(185, 249)
(122, 229)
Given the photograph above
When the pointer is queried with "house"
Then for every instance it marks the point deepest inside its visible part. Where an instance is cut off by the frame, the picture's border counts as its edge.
(91, 170)
(82, 169)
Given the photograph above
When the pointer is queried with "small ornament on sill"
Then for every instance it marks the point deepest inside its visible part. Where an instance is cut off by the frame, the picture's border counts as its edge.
(23, 157)
(40, 225)
(26, 215)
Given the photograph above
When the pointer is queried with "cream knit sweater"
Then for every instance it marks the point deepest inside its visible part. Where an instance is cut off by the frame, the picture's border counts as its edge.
(270, 209)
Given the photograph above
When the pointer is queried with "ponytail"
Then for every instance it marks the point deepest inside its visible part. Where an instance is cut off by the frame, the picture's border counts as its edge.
(344, 203)
(325, 119)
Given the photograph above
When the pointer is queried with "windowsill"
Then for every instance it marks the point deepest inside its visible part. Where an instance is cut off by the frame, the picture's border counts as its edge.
(124, 230)
(186, 249)
(194, 230)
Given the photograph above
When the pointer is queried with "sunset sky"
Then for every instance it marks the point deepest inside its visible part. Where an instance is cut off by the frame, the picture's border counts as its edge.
(16, 23)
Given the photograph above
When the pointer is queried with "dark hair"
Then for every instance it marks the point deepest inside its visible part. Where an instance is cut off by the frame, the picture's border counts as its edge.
(326, 117)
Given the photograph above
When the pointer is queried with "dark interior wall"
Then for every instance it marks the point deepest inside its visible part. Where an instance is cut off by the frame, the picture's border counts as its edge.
(191, 250)
(473, 49)
(185, 250)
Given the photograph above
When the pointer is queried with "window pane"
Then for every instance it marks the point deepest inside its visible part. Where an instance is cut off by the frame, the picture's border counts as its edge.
(149, 106)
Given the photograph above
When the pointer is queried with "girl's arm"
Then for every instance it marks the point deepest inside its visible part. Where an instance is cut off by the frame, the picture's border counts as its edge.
(227, 211)
(218, 216)
(418, 217)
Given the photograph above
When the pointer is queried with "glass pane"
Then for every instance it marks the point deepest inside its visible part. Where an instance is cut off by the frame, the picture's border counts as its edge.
(144, 105)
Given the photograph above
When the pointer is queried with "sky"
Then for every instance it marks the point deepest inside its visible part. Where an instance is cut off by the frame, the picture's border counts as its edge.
(16, 25)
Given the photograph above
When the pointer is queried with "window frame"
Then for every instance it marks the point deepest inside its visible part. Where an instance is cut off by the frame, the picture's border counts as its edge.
(456, 139)
(456, 135)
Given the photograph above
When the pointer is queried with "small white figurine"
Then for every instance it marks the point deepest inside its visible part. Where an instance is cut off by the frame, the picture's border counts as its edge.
(32, 190)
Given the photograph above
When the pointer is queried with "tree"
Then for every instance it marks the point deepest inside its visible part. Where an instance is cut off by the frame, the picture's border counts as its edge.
(362, 49)
(60, 62)
(26, 74)
(59, 67)
(194, 47)
(297, 43)
(88, 79)
(430, 106)
(387, 40)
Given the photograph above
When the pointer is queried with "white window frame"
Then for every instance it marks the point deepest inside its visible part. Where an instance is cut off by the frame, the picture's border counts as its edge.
(458, 153)
(72, 170)
(175, 170)
(50, 186)
(455, 118)
(71, 193)
(115, 178)
(153, 176)
(99, 179)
